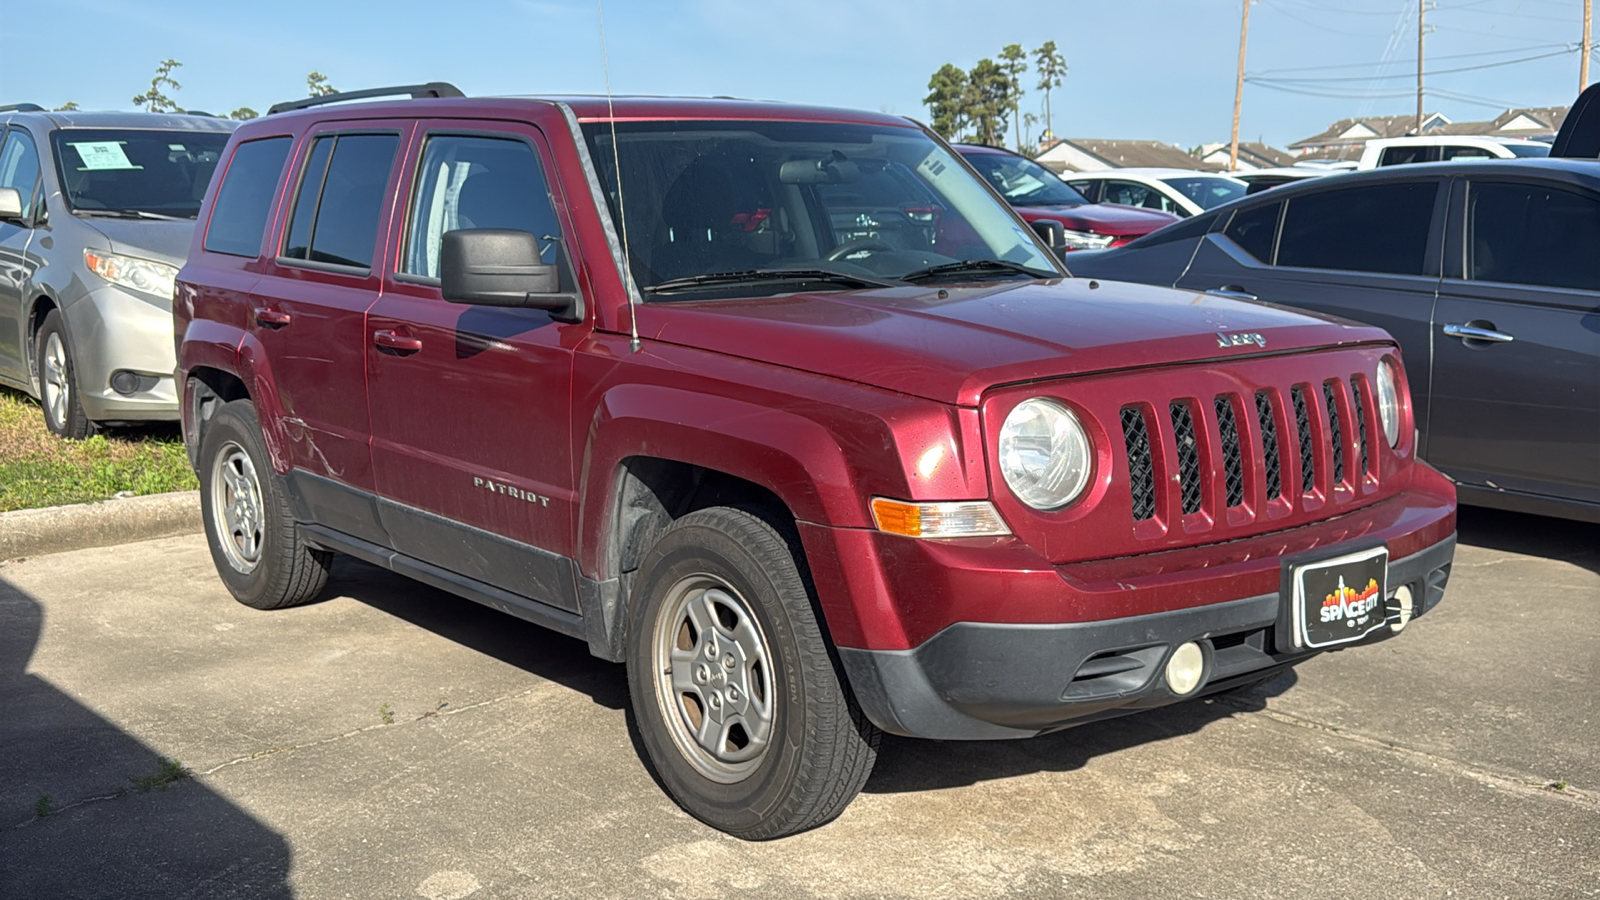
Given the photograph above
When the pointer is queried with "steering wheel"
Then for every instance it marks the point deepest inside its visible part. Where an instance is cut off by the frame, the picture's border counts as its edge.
(869, 244)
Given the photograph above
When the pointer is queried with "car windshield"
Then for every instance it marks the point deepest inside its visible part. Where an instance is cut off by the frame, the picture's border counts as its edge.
(1208, 191)
(871, 203)
(1024, 182)
(135, 171)
(1529, 149)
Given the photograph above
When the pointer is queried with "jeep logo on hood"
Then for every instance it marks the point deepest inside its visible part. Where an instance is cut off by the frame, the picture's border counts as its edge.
(1240, 339)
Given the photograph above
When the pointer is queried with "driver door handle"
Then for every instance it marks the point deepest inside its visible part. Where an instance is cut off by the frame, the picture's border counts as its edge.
(396, 342)
(1232, 292)
(1474, 333)
(270, 318)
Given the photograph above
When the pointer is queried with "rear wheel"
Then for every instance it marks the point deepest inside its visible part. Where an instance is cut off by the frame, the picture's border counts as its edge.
(740, 707)
(255, 543)
(58, 381)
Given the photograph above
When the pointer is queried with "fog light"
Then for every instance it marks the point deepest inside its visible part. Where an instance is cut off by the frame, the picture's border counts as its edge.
(1185, 667)
(125, 383)
(1400, 608)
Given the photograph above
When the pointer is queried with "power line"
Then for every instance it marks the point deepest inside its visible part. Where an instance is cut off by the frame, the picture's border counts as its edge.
(1482, 53)
(1569, 48)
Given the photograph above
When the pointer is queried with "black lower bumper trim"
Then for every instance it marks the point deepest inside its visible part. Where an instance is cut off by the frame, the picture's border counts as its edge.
(986, 681)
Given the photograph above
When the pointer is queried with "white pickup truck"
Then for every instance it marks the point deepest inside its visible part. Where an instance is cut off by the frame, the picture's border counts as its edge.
(1445, 147)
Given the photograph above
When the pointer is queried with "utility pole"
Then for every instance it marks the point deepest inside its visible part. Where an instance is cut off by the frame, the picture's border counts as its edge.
(1588, 46)
(1422, 7)
(1238, 90)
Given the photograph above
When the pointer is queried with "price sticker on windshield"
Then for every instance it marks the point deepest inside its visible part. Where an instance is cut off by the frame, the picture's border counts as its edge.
(102, 155)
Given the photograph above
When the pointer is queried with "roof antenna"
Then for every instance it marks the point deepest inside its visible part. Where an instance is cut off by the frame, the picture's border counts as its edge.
(616, 166)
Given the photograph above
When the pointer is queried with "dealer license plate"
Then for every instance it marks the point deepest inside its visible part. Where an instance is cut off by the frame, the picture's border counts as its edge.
(1340, 600)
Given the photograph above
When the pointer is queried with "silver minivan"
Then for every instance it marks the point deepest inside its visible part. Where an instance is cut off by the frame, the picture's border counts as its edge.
(96, 211)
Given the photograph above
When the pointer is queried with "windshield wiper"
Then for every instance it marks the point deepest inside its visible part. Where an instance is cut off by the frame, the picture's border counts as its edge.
(975, 267)
(767, 276)
(128, 214)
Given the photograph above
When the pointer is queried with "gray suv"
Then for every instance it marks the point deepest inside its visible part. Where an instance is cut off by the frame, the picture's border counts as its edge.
(96, 210)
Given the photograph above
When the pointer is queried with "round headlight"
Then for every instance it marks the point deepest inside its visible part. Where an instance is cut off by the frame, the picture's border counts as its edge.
(1044, 454)
(1388, 402)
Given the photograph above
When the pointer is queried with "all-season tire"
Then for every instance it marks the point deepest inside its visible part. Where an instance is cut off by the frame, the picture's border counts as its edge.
(58, 380)
(741, 708)
(255, 543)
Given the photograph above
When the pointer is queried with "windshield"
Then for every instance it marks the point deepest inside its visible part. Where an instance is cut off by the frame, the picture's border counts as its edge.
(1024, 182)
(1208, 192)
(134, 171)
(869, 201)
(1529, 149)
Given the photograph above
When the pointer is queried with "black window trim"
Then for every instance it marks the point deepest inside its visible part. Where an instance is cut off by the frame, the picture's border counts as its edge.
(286, 216)
(564, 251)
(222, 180)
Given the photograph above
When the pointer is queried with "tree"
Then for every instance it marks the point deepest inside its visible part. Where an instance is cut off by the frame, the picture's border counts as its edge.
(243, 114)
(154, 100)
(989, 101)
(1028, 121)
(947, 100)
(69, 106)
(1014, 62)
(1051, 67)
(318, 84)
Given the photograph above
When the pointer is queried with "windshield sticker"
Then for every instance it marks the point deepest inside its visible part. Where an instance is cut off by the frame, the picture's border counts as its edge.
(98, 155)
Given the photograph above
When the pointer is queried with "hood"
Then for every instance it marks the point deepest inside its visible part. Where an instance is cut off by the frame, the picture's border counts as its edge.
(162, 241)
(1101, 218)
(952, 349)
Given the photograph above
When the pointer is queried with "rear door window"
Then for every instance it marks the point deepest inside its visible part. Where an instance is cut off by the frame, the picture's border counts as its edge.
(1372, 228)
(239, 214)
(340, 199)
(1400, 156)
(1534, 235)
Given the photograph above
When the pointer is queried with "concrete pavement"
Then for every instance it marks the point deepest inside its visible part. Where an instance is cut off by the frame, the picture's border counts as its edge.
(393, 741)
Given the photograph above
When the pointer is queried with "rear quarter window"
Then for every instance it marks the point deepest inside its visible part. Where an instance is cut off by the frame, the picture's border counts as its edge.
(239, 214)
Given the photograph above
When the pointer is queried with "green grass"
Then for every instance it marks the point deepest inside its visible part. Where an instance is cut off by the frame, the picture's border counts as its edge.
(39, 469)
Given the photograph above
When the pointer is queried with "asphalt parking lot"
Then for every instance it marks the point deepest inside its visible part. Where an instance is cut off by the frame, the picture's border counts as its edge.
(392, 741)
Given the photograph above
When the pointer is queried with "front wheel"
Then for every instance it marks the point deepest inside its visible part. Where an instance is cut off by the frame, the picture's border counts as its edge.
(58, 381)
(255, 543)
(740, 707)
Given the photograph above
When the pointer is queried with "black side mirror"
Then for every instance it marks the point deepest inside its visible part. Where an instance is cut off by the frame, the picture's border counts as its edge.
(10, 204)
(502, 267)
(1053, 234)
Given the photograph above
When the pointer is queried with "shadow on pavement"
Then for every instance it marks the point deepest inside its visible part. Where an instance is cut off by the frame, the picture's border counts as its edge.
(102, 836)
(532, 648)
(906, 765)
(1562, 539)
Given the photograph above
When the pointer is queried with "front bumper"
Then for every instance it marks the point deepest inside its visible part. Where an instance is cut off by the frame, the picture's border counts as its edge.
(987, 681)
(115, 330)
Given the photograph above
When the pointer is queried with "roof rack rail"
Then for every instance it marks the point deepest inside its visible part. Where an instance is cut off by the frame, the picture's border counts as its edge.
(22, 107)
(200, 112)
(416, 91)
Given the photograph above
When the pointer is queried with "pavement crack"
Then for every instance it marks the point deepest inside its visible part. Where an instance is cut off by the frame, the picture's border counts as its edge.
(1521, 783)
(354, 732)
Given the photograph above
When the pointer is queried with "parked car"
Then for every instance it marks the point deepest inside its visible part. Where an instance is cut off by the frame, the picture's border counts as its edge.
(1486, 274)
(1380, 152)
(1258, 180)
(808, 486)
(1039, 195)
(1180, 192)
(96, 212)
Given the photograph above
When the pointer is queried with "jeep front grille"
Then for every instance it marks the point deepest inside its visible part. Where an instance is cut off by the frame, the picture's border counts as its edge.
(1188, 455)
(1141, 473)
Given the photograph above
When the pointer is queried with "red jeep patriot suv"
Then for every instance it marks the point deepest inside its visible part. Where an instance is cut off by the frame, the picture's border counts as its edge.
(637, 371)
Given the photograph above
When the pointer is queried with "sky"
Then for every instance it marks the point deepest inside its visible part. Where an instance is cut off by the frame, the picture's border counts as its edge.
(1137, 69)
